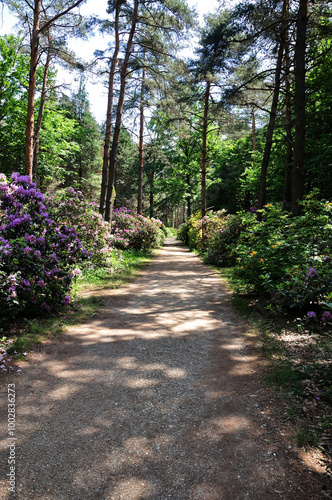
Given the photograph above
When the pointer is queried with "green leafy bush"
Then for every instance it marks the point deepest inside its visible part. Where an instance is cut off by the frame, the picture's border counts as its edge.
(287, 259)
(182, 233)
(221, 231)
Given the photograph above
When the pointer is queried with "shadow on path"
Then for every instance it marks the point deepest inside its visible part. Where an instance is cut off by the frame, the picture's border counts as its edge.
(156, 398)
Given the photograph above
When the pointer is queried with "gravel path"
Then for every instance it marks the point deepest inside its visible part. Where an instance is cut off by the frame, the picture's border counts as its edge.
(155, 398)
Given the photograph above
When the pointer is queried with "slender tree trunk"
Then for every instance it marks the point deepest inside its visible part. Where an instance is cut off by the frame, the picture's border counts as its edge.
(299, 108)
(289, 141)
(40, 114)
(117, 128)
(151, 193)
(31, 90)
(270, 130)
(253, 128)
(273, 114)
(107, 143)
(188, 198)
(205, 126)
(141, 145)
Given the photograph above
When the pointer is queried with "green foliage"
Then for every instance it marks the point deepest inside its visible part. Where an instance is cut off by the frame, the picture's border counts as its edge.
(286, 259)
(213, 236)
(14, 71)
(170, 231)
(81, 164)
(319, 118)
(194, 231)
(58, 146)
(182, 233)
(227, 231)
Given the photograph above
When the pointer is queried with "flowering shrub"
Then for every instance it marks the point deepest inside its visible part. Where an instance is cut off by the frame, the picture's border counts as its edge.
(191, 231)
(134, 231)
(37, 256)
(287, 259)
(220, 252)
(221, 231)
(71, 209)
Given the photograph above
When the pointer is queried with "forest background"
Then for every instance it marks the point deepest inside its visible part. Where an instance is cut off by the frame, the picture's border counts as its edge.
(244, 121)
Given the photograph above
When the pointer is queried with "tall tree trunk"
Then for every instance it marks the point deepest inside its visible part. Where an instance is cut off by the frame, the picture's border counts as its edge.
(270, 130)
(107, 143)
(204, 138)
(188, 198)
(117, 128)
(31, 90)
(273, 114)
(253, 128)
(151, 193)
(289, 141)
(299, 108)
(141, 145)
(40, 113)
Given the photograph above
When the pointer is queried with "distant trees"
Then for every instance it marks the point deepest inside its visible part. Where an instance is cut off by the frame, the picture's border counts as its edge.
(246, 121)
(40, 18)
(82, 167)
(68, 136)
(151, 24)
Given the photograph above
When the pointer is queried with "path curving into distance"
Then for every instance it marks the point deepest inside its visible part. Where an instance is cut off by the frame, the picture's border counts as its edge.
(156, 398)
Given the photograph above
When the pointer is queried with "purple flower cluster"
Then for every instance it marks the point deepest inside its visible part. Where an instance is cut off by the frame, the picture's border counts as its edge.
(312, 273)
(131, 230)
(36, 256)
(73, 213)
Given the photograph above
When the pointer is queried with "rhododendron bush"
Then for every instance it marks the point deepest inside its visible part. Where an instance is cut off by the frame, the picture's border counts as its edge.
(38, 256)
(134, 231)
(284, 260)
(45, 242)
(70, 208)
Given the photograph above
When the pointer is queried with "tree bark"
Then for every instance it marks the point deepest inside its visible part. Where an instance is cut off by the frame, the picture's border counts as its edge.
(36, 31)
(289, 141)
(204, 141)
(253, 128)
(31, 90)
(273, 114)
(141, 146)
(107, 143)
(151, 193)
(299, 108)
(40, 114)
(117, 128)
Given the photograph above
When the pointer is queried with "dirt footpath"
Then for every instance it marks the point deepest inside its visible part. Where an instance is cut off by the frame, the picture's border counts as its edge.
(156, 398)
